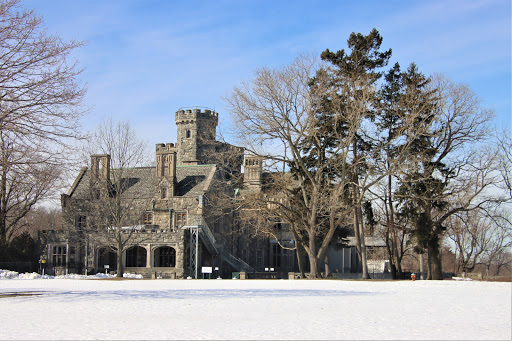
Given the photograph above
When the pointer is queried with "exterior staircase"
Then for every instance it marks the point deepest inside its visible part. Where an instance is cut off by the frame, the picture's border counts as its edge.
(236, 262)
(209, 241)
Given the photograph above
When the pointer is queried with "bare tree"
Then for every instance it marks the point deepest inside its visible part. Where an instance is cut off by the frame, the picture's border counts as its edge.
(41, 218)
(25, 179)
(40, 99)
(471, 236)
(112, 219)
(498, 253)
(480, 238)
(273, 114)
(505, 164)
(317, 121)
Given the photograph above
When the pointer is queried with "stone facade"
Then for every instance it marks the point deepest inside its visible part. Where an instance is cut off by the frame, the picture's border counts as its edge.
(174, 221)
(164, 206)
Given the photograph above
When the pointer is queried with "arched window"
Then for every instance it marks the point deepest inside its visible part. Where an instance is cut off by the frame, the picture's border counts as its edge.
(165, 256)
(136, 257)
(107, 257)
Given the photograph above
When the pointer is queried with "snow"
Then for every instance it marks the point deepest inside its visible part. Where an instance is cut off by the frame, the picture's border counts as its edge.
(7, 274)
(69, 307)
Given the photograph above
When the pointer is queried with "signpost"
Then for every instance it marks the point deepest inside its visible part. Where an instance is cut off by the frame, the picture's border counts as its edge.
(42, 263)
(207, 270)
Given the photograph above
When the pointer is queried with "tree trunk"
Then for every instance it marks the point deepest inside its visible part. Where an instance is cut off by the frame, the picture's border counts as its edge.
(436, 264)
(327, 268)
(429, 264)
(422, 266)
(3, 210)
(358, 217)
(396, 264)
(364, 262)
(298, 248)
(299, 261)
(313, 267)
(312, 252)
(389, 249)
(120, 270)
(358, 242)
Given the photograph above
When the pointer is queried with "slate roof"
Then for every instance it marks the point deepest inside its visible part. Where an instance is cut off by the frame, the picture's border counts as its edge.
(191, 181)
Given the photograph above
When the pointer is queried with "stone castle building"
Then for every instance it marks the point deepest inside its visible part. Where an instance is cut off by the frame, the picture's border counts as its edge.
(172, 218)
(176, 223)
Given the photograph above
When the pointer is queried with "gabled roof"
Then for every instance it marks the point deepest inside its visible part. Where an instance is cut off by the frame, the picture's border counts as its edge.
(140, 182)
(193, 180)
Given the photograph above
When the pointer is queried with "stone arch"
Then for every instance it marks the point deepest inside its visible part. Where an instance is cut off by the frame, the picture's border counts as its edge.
(105, 256)
(164, 257)
(136, 257)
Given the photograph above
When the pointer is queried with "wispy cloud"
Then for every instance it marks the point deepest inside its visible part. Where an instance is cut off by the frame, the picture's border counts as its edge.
(146, 59)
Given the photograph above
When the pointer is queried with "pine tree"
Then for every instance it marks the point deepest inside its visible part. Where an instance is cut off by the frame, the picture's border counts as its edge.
(341, 111)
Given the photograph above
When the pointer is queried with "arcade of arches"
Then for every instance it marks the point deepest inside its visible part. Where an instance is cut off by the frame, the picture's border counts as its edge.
(136, 256)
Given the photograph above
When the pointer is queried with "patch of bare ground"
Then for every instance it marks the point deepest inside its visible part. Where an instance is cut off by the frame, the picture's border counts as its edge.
(117, 279)
(19, 294)
(499, 279)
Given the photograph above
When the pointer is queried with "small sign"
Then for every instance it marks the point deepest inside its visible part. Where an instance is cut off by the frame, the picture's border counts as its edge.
(206, 269)
(107, 266)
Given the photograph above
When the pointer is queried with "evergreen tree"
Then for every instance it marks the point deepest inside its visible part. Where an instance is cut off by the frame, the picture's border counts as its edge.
(346, 102)
(443, 176)
(403, 102)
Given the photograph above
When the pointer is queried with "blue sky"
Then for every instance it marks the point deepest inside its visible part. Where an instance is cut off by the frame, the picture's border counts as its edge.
(146, 59)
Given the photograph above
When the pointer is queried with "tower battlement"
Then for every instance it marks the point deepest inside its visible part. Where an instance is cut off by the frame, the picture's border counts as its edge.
(193, 115)
(165, 148)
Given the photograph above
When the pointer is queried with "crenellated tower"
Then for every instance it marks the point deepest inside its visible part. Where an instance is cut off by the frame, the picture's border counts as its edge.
(196, 132)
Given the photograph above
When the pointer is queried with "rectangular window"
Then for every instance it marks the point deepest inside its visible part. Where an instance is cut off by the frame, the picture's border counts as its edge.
(163, 193)
(147, 218)
(276, 255)
(259, 257)
(72, 255)
(181, 219)
(59, 256)
(80, 222)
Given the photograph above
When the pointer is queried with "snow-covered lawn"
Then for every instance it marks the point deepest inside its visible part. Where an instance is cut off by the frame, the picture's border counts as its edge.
(62, 308)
